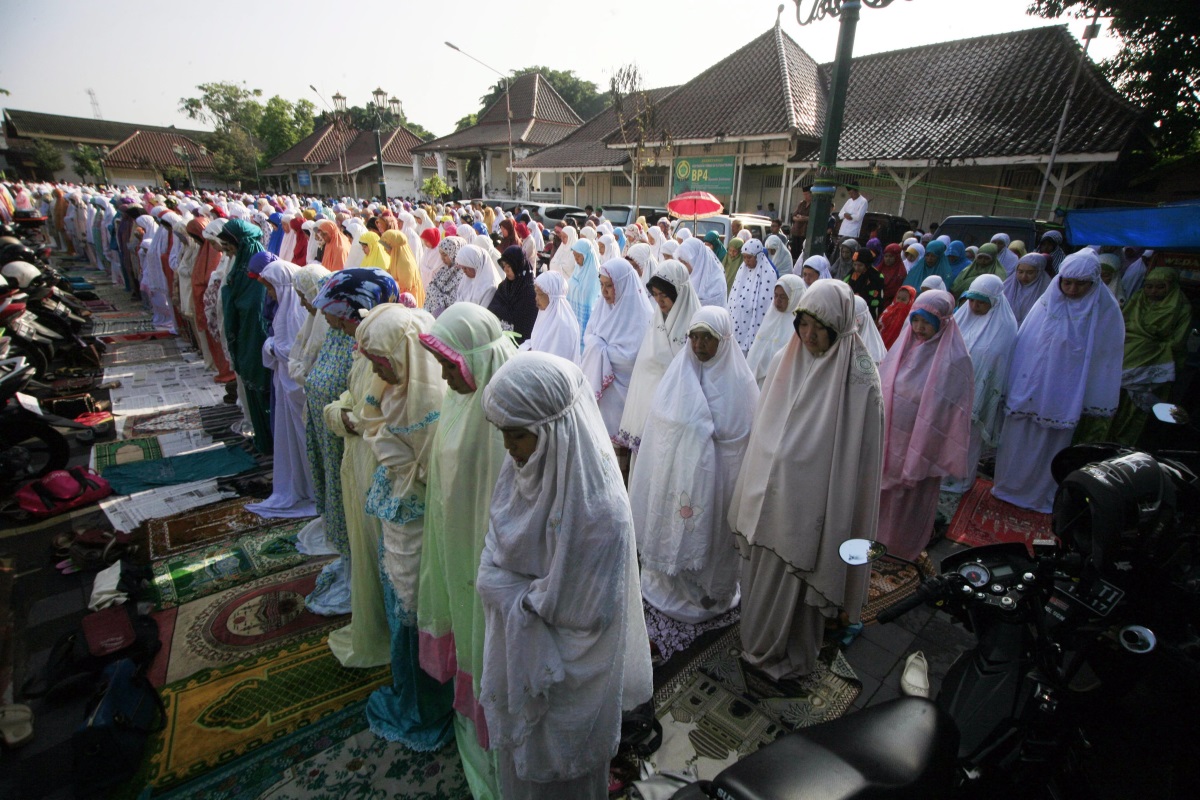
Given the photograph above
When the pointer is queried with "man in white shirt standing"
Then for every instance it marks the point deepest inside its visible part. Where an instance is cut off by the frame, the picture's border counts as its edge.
(851, 215)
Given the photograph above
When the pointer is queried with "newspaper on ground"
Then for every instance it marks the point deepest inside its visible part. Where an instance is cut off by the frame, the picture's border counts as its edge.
(126, 512)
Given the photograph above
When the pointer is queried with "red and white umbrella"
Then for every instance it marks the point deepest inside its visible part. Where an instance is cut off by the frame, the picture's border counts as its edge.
(694, 205)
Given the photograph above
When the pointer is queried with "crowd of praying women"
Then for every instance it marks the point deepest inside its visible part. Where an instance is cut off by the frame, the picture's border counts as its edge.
(516, 471)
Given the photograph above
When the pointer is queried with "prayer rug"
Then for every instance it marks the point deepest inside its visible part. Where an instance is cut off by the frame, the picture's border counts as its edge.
(984, 519)
(156, 673)
(218, 422)
(219, 522)
(142, 353)
(720, 709)
(212, 569)
(140, 476)
(221, 714)
(99, 305)
(892, 580)
(180, 419)
(123, 451)
(238, 623)
(135, 338)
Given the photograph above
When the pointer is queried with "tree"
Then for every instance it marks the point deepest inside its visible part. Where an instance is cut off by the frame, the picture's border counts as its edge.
(88, 161)
(637, 118)
(1158, 66)
(582, 96)
(466, 122)
(224, 104)
(281, 126)
(46, 157)
(435, 188)
(363, 119)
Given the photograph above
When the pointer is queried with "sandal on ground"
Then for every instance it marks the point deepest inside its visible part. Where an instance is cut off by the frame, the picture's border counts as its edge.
(16, 725)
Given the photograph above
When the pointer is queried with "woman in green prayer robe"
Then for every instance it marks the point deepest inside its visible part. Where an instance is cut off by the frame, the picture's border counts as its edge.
(1157, 322)
(245, 327)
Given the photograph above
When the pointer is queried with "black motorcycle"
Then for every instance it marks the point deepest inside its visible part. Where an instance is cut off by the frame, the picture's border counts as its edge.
(1059, 632)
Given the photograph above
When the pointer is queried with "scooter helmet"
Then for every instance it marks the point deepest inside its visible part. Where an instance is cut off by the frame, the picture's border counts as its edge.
(20, 274)
(16, 252)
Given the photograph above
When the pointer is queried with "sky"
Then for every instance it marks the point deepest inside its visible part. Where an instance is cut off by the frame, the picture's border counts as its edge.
(140, 63)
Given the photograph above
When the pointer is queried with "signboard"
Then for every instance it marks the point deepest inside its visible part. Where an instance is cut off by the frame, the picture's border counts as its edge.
(303, 178)
(712, 174)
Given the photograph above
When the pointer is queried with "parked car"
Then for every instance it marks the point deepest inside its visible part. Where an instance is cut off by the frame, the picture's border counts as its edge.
(550, 214)
(760, 227)
(974, 231)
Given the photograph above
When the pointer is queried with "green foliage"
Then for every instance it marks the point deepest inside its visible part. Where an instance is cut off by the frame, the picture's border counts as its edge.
(225, 105)
(46, 156)
(466, 122)
(582, 96)
(364, 119)
(233, 155)
(88, 161)
(436, 188)
(174, 176)
(1158, 66)
(283, 124)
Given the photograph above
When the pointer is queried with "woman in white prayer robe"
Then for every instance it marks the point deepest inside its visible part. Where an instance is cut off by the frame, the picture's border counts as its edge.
(692, 449)
(566, 650)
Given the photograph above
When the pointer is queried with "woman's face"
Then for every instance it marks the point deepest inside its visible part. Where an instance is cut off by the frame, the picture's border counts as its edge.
(383, 370)
(579, 259)
(665, 303)
(452, 376)
(446, 260)
(468, 271)
(749, 260)
(889, 259)
(922, 329)
(979, 307)
(846, 253)
(603, 250)
(332, 321)
(1026, 274)
(365, 247)
(1074, 288)
(983, 260)
(520, 444)
(813, 335)
(508, 272)
(781, 299)
(607, 290)
(305, 304)
(931, 259)
(1156, 290)
(704, 345)
(808, 275)
(320, 235)
(271, 293)
(541, 298)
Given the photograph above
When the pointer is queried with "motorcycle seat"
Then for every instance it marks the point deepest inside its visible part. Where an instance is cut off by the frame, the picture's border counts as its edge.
(904, 748)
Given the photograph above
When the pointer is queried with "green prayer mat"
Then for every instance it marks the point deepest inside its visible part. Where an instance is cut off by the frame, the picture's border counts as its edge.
(211, 569)
(139, 476)
(124, 451)
(221, 714)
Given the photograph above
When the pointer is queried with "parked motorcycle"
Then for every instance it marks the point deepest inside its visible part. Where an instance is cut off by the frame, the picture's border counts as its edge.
(1059, 631)
(30, 443)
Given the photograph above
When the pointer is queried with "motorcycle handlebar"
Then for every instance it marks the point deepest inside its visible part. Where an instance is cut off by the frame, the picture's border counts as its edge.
(931, 589)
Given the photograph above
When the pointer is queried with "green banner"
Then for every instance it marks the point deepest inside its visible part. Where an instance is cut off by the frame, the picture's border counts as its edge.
(712, 174)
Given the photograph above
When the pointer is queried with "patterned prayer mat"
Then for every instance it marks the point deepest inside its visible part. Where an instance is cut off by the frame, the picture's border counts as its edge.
(892, 580)
(99, 305)
(136, 337)
(220, 714)
(720, 709)
(238, 623)
(123, 451)
(984, 519)
(219, 522)
(199, 573)
(217, 422)
(143, 353)
(180, 419)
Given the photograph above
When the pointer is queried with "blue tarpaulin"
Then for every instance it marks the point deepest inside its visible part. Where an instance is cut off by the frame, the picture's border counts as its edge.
(1174, 227)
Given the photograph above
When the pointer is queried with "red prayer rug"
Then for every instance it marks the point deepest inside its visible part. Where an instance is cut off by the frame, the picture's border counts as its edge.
(983, 519)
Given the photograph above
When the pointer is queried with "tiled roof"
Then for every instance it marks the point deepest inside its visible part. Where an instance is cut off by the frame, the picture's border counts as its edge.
(34, 124)
(318, 148)
(143, 149)
(584, 148)
(993, 96)
(540, 117)
(397, 149)
(767, 87)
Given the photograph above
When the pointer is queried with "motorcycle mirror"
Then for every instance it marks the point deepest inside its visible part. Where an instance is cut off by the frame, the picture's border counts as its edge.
(860, 551)
(1166, 413)
(1137, 639)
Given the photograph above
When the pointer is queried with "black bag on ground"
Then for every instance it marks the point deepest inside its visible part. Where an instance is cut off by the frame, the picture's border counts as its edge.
(107, 747)
(641, 732)
(103, 637)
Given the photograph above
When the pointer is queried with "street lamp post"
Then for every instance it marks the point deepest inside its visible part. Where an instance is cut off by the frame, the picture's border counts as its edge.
(184, 155)
(379, 97)
(825, 182)
(508, 107)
